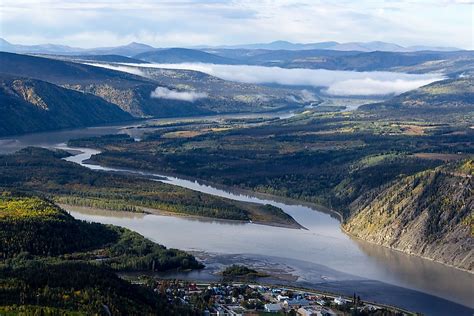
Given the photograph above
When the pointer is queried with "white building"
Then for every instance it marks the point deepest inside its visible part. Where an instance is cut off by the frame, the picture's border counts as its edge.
(272, 308)
(282, 298)
(315, 311)
(296, 302)
(340, 301)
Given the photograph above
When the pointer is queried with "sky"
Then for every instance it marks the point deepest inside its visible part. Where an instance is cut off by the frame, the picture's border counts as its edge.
(187, 23)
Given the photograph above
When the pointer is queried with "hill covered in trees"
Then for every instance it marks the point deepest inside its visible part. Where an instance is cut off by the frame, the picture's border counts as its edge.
(31, 226)
(455, 95)
(40, 228)
(50, 263)
(429, 214)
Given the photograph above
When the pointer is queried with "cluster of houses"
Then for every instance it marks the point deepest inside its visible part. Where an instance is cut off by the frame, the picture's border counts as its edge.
(239, 299)
(304, 303)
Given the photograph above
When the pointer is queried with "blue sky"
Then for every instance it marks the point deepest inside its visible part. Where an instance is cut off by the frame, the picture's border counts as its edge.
(215, 22)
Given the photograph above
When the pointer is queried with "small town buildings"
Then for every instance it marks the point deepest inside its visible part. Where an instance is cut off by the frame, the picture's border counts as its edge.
(315, 311)
(296, 302)
(272, 308)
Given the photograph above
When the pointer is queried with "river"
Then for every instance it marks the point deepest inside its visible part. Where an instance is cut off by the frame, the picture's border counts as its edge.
(321, 255)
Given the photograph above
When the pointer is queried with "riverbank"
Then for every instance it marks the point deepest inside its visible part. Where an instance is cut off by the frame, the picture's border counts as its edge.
(151, 211)
(288, 275)
(315, 206)
(405, 252)
(224, 298)
(243, 192)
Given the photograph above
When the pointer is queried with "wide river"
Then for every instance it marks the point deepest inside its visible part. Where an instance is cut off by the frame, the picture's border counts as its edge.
(321, 256)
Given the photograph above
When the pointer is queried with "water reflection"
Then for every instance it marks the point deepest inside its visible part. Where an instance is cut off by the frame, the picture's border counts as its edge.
(99, 212)
(417, 272)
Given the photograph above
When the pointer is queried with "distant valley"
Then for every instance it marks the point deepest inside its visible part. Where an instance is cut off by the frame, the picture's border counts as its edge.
(131, 93)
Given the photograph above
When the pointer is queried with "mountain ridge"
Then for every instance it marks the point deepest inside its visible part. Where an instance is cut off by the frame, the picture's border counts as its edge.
(333, 45)
(135, 48)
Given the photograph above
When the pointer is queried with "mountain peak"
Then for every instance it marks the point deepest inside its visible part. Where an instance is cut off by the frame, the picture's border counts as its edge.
(136, 44)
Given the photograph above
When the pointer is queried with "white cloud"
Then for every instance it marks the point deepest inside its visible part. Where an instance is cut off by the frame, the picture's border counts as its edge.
(165, 93)
(187, 22)
(128, 69)
(333, 82)
(369, 86)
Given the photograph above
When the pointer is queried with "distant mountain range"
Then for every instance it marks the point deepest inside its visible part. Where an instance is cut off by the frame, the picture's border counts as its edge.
(182, 55)
(351, 46)
(134, 49)
(125, 50)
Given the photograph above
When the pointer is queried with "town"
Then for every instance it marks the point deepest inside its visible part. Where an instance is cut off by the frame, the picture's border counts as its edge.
(239, 299)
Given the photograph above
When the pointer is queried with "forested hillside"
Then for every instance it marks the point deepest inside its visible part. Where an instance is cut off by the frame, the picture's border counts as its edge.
(52, 263)
(454, 95)
(428, 214)
(378, 60)
(39, 228)
(182, 55)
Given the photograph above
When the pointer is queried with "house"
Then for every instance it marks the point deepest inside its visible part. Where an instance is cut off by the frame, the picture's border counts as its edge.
(282, 298)
(272, 308)
(321, 302)
(315, 311)
(340, 301)
(296, 302)
(308, 311)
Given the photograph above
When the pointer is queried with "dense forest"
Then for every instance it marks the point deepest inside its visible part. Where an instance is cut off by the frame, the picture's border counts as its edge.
(53, 264)
(37, 227)
(43, 171)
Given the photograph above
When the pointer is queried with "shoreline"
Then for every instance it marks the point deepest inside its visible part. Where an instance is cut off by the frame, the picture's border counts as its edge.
(315, 206)
(403, 252)
(151, 211)
(236, 190)
(312, 291)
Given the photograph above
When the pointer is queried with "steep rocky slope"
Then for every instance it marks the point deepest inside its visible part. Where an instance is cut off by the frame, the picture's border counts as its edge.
(28, 105)
(429, 214)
